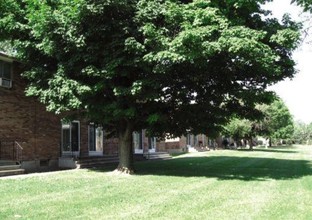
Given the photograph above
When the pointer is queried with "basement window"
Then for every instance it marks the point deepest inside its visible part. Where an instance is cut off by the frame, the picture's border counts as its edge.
(44, 163)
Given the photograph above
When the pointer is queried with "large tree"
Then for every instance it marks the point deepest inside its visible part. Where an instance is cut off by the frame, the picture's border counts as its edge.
(163, 65)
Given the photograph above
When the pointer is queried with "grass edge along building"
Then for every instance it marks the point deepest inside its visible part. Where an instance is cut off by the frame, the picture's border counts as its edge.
(40, 140)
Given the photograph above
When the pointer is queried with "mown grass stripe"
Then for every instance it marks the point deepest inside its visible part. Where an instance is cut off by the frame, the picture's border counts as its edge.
(274, 183)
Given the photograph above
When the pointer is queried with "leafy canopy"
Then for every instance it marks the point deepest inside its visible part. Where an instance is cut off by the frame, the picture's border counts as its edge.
(238, 129)
(302, 133)
(277, 123)
(274, 122)
(165, 65)
(306, 4)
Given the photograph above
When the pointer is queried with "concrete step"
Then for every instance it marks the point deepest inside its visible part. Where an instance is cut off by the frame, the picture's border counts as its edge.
(11, 172)
(139, 157)
(7, 162)
(10, 167)
(158, 156)
(198, 149)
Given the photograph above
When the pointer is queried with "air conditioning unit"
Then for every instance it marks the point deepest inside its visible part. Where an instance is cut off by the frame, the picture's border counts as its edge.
(5, 82)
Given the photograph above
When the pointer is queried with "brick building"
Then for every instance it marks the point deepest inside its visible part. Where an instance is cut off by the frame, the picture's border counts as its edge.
(28, 133)
(41, 140)
(186, 143)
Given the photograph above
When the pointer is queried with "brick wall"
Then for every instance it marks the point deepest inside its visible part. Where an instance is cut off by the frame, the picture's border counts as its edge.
(24, 120)
(168, 146)
(110, 146)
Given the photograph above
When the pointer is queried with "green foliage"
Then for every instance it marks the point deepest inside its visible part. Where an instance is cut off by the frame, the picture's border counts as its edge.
(302, 133)
(278, 122)
(6, 47)
(274, 121)
(163, 65)
(238, 128)
(306, 4)
(63, 94)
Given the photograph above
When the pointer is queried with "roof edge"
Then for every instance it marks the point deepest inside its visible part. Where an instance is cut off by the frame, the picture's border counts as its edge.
(7, 58)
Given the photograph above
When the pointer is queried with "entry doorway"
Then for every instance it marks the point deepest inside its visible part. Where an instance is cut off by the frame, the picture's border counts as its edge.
(138, 142)
(70, 138)
(95, 140)
(152, 145)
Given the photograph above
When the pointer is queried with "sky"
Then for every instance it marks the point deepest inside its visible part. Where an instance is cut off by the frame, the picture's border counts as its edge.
(296, 93)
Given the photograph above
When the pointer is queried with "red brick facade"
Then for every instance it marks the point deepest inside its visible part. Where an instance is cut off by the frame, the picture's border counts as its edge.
(24, 120)
(40, 133)
(181, 144)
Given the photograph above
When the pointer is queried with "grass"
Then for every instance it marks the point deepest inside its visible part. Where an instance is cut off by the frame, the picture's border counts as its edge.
(273, 183)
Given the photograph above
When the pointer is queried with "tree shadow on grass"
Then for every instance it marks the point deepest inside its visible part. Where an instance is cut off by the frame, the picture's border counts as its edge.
(228, 168)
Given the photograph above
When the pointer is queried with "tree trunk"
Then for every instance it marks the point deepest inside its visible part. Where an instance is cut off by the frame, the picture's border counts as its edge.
(125, 148)
(250, 143)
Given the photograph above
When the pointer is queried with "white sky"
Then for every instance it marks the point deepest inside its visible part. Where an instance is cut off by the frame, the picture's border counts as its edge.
(296, 93)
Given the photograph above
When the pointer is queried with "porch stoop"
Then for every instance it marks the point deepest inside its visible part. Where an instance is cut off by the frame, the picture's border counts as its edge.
(9, 168)
(198, 149)
(158, 156)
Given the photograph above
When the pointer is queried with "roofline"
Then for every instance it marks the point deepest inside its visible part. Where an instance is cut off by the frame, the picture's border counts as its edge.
(7, 58)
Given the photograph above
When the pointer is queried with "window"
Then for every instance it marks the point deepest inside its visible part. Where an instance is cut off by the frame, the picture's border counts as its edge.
(137, 141)
(5, 74)
(188, 140)
(96, 138)
(195, 140)
(152, 143)
(70, 136)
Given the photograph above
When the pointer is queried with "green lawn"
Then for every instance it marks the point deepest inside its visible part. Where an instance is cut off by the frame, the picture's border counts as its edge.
(263, 184)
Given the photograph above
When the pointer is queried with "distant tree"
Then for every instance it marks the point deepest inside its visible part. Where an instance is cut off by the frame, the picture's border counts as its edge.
(274, 121)
(238, 129)
(302, 133)
(163, 65)
(277, 122)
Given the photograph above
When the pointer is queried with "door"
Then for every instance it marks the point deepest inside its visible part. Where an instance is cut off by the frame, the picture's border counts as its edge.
(151, 144)
(96, 140)
(71, 138)
(188, 141)
(138, 142)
